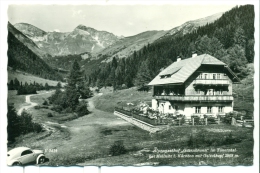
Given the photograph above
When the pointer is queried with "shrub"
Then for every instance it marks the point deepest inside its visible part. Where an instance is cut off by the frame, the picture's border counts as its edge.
(57, 108)
(67, 110)
(45, 102)
(82, 109)
(230, 139)
(49, 115)
(37, 107)
(45, 107)
(27, 89)
(37, 127)
(211, 120)
(117, 148)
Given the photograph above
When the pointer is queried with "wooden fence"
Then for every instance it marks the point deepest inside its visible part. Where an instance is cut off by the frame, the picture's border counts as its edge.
(164, 121)
(146, 119)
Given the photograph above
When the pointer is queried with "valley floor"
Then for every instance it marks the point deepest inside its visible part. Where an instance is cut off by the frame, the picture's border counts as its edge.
(86, 140)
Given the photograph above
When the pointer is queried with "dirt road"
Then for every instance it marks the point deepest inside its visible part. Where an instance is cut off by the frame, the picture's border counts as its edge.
(85, 135)
(28, 100)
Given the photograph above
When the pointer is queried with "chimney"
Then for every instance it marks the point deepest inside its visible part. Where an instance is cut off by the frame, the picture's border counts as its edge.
(178, 58)
(194, 54)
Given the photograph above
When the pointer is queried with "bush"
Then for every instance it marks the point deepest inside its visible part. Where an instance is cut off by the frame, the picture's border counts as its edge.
(57, 108)
(230, 139)
(27, 89)
(211, 120)
(67, 110)
(117, 148)
(45, 102)
(37, 127)
(49, 115)
(82, 109)
(37, 107)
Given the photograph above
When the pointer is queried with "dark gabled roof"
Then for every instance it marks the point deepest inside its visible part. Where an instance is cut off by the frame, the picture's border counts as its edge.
(170, 71)
(179, 72)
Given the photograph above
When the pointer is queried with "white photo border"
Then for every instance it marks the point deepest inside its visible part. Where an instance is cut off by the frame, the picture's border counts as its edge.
(3, 88)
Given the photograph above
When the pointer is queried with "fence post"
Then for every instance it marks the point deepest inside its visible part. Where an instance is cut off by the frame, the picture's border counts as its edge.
(233, 121)
(206, 121)
(192, 121)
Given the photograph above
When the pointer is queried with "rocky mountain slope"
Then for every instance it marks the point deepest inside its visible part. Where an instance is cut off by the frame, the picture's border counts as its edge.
(126, 46)
(81, 39)
(23, 38)
(23, 54)
(101, 43)
(193, 25)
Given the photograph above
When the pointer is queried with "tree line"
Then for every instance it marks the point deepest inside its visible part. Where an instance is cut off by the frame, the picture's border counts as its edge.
(230, 39)
(32, 88)
(20, 125)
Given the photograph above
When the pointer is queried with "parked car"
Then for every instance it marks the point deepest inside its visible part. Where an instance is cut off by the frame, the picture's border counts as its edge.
(24, 156)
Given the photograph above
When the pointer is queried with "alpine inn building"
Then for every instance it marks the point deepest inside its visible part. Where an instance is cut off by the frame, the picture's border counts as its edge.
(200, 85)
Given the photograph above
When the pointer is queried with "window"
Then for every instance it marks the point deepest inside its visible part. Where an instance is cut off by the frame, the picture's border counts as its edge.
(210, 92)
(170, 107)
(214, 76)
(197, 109)
(221, 109)
(218, 76)
(205, 76)
(26, 152)
(209, 109)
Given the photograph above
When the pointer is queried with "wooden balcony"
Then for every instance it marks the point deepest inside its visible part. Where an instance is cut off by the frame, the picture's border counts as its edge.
(199, 98)
(223, 82)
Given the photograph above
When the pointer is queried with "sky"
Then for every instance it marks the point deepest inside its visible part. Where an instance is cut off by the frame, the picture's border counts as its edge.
(125, 20)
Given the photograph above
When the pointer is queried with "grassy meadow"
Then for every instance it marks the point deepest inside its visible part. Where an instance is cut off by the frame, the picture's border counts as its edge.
(109, 100)
(17, 100)
(26, 77)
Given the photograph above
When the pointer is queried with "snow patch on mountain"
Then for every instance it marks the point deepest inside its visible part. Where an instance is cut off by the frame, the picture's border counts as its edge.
(85, 56)
(36, 39)
(92, 48)
(98, 41)
(82, 32)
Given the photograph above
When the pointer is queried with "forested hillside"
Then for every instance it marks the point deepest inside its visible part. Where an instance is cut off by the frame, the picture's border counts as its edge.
(63, 63)
(230, 39)
(22, 58)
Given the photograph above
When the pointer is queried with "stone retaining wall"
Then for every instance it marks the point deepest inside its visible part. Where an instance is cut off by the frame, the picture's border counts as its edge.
(138, 123)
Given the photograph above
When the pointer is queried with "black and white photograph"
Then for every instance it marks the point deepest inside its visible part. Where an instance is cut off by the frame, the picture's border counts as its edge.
(141, 84)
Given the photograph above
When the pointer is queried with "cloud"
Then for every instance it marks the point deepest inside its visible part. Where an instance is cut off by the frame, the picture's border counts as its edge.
(56, 30)
(76, 12)
(130, 23)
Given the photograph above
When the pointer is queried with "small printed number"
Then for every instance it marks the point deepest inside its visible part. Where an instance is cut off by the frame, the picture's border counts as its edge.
(51, 150)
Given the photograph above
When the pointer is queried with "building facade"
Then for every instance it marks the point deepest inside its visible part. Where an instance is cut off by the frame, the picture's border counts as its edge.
(200, 85)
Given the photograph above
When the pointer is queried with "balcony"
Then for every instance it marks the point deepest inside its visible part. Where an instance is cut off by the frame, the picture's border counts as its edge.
(224, 82)
(199, 98)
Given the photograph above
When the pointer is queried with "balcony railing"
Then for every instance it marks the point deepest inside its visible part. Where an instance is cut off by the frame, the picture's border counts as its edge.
(211, 82)
(202, 98)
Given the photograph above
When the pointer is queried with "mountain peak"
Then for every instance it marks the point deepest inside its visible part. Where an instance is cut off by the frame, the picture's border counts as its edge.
(83, 27)
(30, 30)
